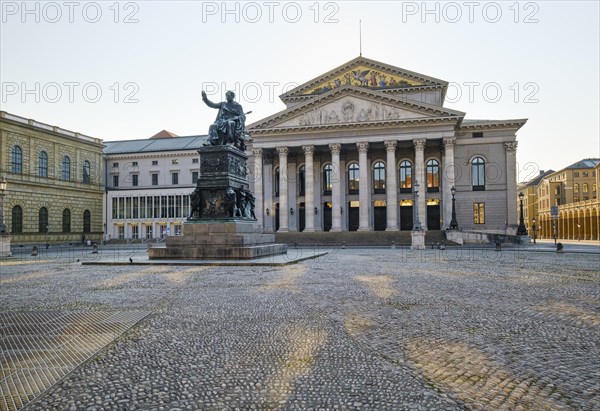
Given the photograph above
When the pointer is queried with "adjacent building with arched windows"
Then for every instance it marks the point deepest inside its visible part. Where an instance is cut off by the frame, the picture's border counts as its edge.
(55, 182)
(352, 145)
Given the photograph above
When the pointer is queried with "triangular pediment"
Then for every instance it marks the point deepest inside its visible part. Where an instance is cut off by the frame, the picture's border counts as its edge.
(363, 73)
(349, 105)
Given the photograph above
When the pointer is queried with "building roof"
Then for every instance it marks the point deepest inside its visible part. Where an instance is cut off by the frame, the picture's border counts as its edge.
(536, 180)
(154, 144)
(585, 163)
(164, 134)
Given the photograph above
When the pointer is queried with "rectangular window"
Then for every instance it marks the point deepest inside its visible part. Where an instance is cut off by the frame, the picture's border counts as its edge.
(174, 178)
(148, 232)
(163, 206)
(575, 174)
(178, 207)
(142, 207)
(116, 181)
(154, 179)
(478, 134)
(174, 161)
(154, 162)
(575, 199)
(479, 213)
(594, 188)
(156, 206)
(134, 232)
(134, 180)
(171, 207)
(134, 163)
(136, 208)
(121, 207)
(194, 161)
(186, 206)
(585, 173)
(194, 177)
(116, 165)
(121, 231)
(177, 229)
(115, 207)
(128, 207)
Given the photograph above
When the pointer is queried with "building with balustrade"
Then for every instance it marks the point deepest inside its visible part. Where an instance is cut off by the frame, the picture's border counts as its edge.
(353, 146)
(55, 182)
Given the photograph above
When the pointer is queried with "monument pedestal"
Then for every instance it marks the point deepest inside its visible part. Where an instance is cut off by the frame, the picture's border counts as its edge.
(222, 224)
(417, 240)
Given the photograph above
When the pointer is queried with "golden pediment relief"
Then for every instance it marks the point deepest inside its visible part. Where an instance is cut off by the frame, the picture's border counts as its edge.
(363, 76)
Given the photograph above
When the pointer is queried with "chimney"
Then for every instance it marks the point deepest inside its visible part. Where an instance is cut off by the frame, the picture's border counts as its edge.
(541, 172)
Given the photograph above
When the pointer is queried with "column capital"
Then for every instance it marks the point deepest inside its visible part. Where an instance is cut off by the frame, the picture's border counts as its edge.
(419, 143)
(308, 150)
(511, 145)
(258, 152)
(283, 151)
(363, 146)
(335, 148)
(449, 143)
(390, 145)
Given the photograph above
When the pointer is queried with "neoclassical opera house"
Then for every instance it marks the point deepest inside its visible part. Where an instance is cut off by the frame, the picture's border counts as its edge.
(352, 145)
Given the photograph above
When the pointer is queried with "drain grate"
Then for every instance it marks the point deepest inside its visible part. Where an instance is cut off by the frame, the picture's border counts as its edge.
(39, 348)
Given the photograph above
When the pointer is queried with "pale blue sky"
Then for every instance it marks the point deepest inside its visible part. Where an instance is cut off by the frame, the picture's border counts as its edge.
(177, 48)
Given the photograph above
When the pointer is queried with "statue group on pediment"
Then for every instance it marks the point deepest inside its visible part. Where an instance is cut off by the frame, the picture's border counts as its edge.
(364, 78)
(373, 112)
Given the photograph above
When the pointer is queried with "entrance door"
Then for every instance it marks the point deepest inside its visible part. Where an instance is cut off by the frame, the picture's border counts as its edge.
(406, 218)
(301, 217)
(327, 217)
(433, 217)
(353, 217)
(379, 218)
(276, 216)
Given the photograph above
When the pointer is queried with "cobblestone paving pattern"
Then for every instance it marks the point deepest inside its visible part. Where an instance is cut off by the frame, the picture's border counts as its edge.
(357, 329)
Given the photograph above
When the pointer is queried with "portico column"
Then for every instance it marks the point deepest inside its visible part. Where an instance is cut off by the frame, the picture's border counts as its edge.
(336, 189)
(258, 184)
(448, 179)
(309, 186)
(283, 190)
(391, 187)
(363, 187)
(420, 168)
(511, 182)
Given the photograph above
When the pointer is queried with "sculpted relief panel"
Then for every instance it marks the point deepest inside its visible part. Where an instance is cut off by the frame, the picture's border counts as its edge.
(349, 110)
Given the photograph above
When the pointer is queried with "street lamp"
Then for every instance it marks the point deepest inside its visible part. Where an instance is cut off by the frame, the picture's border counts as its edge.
(521, 230)
(578, 230)
(534, 227)
(453, 222)
(417, 223)
(3, 185)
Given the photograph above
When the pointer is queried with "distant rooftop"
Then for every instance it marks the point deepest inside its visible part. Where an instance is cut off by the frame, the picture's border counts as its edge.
(585, 163)
(154, 144)
(536, 180)
(164, 134)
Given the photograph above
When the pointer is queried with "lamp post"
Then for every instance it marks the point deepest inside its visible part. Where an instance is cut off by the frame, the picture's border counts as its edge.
(453, 222)
(534, 228)
(417, 223)
(3, 185)
(521, 230)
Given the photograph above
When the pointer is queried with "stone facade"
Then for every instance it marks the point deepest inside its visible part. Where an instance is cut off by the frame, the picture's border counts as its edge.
(345, 154)
(50, 168)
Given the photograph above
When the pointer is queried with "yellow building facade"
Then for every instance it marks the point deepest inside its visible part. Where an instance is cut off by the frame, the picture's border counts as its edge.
(55, 182)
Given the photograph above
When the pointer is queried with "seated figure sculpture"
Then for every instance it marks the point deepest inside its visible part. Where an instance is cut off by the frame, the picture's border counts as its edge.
(229, 126)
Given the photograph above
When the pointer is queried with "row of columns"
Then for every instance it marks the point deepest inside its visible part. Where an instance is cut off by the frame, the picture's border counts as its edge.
(364, 193)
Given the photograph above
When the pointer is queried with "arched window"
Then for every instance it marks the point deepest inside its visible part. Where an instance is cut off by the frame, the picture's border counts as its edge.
(478, 174)
(353, 178)
(66, 168)
(276, 182)
(17, 219)
(327, 179)
(43, 164)
(405, 176)
(301, 181)
(585, 187)
(87, 222)
(16, 160)
(433, 176)
(86, 172)
(66, 221)
(576, 188)
(379, 177)
(43, 220)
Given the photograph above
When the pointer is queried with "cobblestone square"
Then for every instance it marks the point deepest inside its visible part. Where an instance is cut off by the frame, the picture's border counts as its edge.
(378, 329)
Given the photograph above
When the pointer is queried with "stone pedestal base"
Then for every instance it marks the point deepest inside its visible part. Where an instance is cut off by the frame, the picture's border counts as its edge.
(454, 236)
(5, 245)
(418, 240)
(524, 239)
(219, 240)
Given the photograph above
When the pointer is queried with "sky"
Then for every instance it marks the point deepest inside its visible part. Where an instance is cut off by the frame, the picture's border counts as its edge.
(127, 70)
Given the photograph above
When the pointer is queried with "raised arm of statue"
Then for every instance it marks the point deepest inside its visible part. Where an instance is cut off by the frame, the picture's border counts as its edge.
(208, 102)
